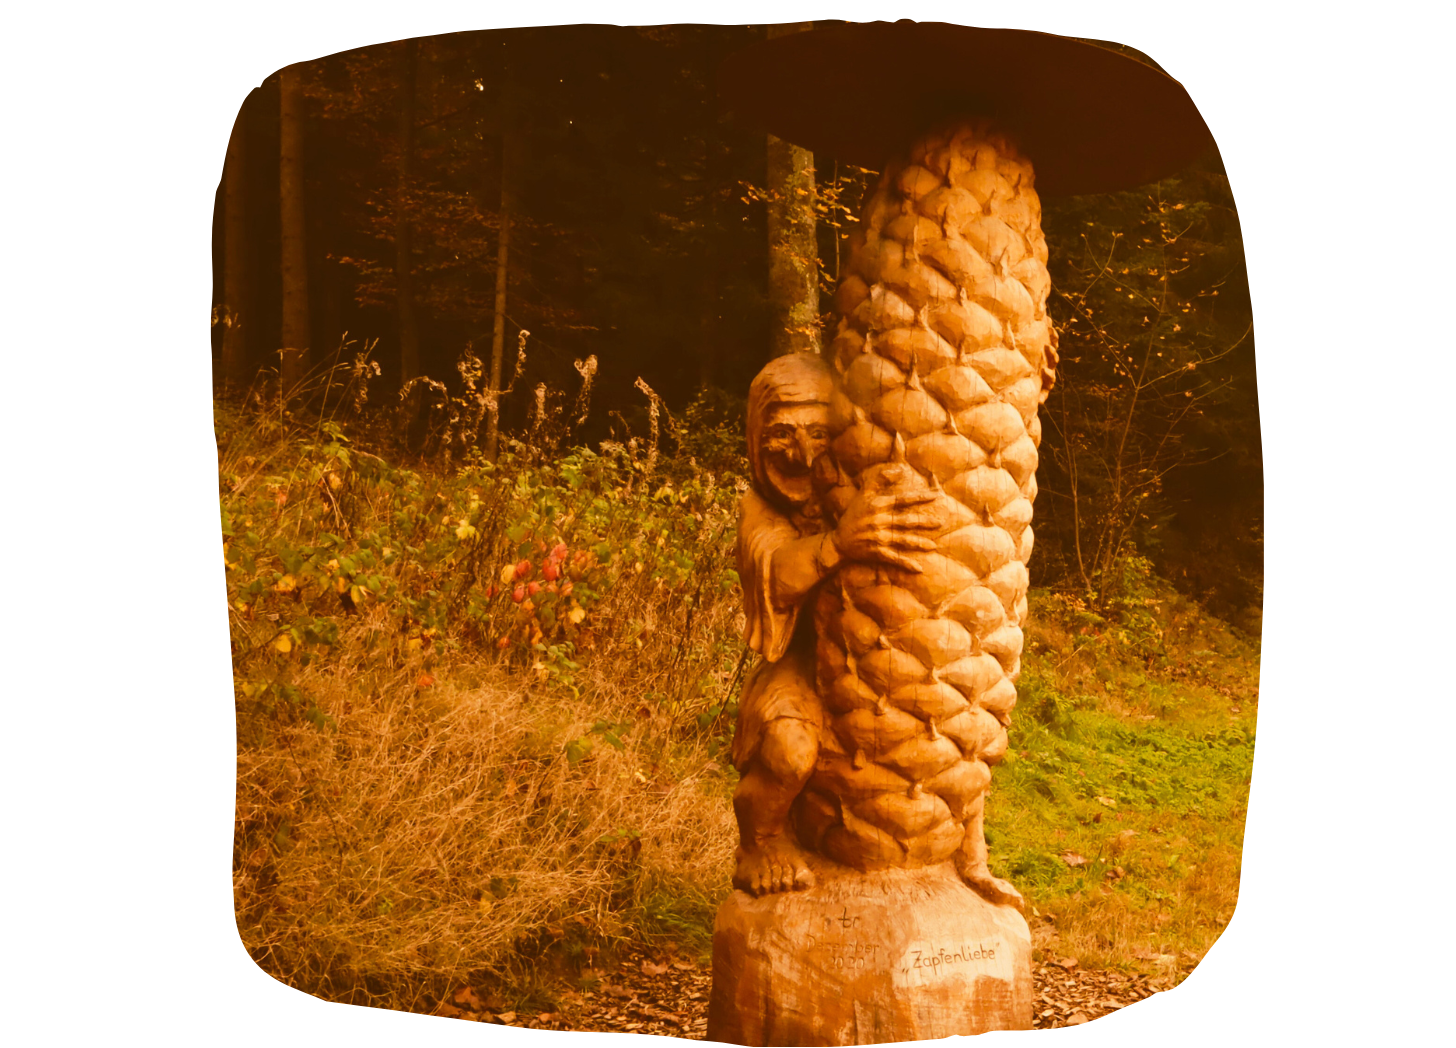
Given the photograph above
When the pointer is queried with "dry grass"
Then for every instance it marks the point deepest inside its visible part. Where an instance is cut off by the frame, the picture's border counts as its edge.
(436, 781)
(438, 828)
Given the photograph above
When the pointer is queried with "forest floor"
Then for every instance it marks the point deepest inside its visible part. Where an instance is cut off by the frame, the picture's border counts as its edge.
(660, 993)
(482, 722)
(1134, 747)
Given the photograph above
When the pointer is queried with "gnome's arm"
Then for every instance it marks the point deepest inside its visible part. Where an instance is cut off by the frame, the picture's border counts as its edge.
(777, 567)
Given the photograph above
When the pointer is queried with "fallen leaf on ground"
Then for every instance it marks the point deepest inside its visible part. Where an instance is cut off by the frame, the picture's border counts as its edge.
(1073, 859)
(467, 997)
(648, 968)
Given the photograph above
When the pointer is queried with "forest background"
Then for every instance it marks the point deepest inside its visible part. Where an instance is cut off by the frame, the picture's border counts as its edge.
(360, 220)
(638, 236)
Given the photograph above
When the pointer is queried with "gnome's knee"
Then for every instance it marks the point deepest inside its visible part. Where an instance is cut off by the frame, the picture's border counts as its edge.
(790, 748)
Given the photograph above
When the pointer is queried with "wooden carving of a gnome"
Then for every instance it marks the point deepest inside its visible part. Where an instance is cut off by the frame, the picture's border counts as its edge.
(785, 555)
(859, 810)
(883, 546)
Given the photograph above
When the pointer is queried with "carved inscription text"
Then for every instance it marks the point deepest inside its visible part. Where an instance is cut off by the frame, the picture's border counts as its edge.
(940, 958)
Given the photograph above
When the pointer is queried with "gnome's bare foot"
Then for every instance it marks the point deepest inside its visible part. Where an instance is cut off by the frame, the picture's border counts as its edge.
(992, 889)
(775, 865)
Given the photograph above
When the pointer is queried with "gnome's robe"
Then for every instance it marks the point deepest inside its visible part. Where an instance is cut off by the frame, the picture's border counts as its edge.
(782, 686)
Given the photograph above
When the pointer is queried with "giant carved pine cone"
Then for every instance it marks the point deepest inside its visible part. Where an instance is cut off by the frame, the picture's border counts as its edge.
(943, 354)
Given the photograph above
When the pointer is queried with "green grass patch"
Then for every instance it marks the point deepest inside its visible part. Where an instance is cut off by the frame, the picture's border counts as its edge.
(1119, 810)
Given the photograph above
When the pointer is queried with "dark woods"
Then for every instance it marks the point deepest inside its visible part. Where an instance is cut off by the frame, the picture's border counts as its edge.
(426, 202)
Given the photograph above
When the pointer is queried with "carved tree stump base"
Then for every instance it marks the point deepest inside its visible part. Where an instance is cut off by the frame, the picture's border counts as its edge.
(867, 958)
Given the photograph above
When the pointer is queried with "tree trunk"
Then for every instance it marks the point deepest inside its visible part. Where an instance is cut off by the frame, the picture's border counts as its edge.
(409, 334)
(793, 252)
(326, 295)
(329, 293)
(235, 304)
(710, 319)
(498, 335)
(295, 333)
(502, 270)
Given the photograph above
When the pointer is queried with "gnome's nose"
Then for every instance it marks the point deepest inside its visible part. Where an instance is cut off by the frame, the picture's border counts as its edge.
(806, 451)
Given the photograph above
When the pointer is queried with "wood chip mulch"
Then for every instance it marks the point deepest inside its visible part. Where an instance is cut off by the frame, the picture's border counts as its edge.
(669, 996)
(1068, 995)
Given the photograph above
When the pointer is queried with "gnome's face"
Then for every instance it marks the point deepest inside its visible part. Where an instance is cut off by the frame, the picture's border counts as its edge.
(793, 437)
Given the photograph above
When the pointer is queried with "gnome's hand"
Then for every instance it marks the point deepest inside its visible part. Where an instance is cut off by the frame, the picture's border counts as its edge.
(886, 527)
